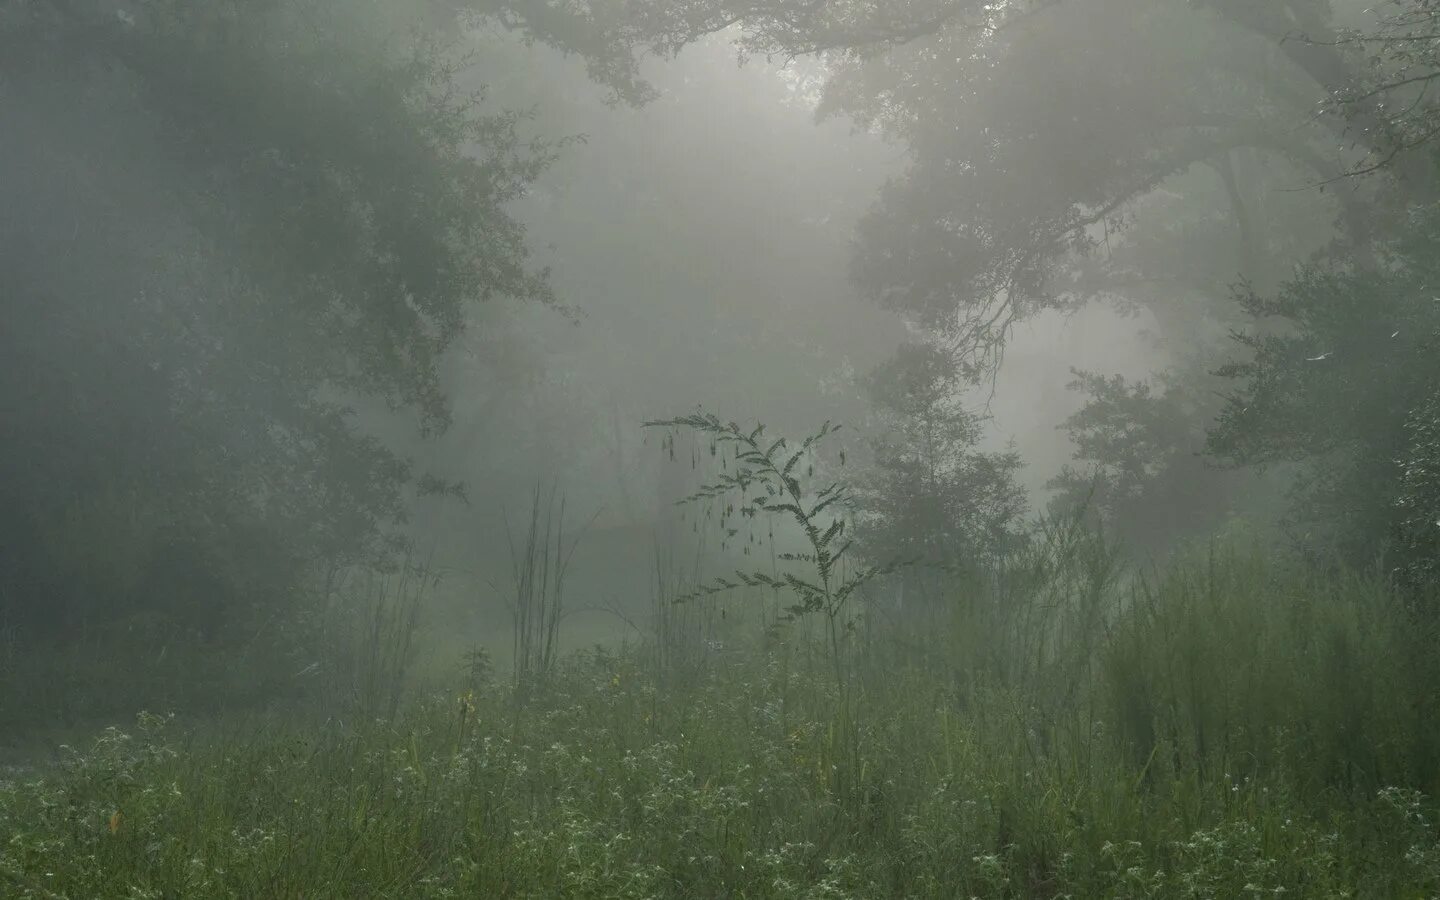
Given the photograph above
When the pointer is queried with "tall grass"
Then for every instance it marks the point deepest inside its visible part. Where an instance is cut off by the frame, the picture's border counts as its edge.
(373, 645)
(539, 564)
(1221, 727)
(1229, 664)
(681, 632)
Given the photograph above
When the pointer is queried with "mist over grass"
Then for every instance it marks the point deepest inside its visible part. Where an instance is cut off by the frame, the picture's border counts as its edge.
(1221, 727)
(367, 529)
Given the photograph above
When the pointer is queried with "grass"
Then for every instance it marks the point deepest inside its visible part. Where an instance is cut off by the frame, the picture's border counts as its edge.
(1220, 729)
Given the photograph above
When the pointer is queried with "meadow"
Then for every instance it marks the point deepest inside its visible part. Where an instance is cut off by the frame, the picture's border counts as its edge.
(1061, 726)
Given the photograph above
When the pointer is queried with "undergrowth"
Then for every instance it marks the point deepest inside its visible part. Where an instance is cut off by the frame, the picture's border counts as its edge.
(1221, 729)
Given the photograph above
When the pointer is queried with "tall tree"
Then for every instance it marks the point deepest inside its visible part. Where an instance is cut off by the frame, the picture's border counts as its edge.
(1340, 376)
(222, 226)
(1036, 128)
(1342, 383)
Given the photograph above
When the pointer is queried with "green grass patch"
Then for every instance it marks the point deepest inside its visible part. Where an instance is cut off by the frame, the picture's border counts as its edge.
(1225, 730)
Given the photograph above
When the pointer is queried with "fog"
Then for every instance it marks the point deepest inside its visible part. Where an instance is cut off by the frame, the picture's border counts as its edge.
(785, 449)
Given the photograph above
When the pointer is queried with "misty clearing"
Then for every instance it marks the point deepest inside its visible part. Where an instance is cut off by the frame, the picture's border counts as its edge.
(699, 449)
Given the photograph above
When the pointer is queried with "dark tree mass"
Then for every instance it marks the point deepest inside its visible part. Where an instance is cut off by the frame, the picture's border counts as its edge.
(700, 448)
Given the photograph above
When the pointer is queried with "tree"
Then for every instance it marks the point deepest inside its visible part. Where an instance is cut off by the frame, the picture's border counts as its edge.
(1418, 505)
(1035, 129)
(1063, 153)
(226, 225)
(1390, 102)
(703, 236)
(1342, 384)
(1143, 473)
(931, 497)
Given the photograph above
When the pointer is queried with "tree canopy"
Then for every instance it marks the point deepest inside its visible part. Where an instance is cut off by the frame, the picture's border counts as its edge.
(224, 226)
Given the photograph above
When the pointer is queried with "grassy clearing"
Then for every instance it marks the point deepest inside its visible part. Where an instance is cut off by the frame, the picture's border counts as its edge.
(1219, 730)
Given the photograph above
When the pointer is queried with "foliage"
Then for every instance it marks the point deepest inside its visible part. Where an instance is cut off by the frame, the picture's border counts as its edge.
(1341, 382)
(226, 227)
(1142, 472)
(1318, 782)
(776, 467)
(349, 645)
(1402, 64)
(1156, 169)
(1007, 185)
(1418, 503)
(930, 495)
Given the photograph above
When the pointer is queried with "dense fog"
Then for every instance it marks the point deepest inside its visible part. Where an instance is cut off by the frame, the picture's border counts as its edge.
(639, 448)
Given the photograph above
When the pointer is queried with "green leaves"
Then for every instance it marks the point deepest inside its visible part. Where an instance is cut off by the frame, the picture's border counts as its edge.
(820, 515)
(288, 210)
(1353, 423)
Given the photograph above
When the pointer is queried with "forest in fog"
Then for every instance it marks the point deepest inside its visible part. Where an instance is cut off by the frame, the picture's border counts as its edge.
(719, 448)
